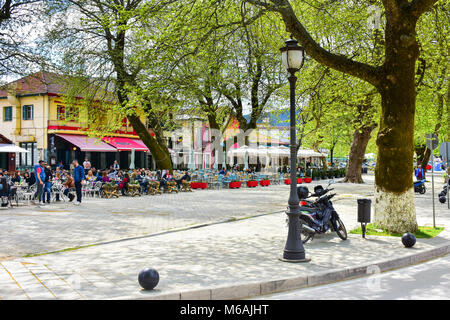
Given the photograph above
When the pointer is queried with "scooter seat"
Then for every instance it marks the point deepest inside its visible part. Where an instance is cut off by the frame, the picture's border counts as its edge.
(309, 209)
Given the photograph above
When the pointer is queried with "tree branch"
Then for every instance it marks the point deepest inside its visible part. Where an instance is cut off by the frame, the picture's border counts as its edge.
(338, 62)
(417, 7)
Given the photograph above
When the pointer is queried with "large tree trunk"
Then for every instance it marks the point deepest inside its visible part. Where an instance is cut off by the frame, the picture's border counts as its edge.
(361, 138)
(394, 194)
(160, 154)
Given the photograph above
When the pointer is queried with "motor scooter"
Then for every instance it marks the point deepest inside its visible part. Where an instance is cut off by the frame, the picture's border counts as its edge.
(419, 186)
(319, 216)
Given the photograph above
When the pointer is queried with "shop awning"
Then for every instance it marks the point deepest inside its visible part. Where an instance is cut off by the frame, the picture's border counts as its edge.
(87, 144)
(12, 148)
(126, 144)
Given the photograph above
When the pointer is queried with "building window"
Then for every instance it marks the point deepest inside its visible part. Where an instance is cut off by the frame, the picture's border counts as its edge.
(27, 112)
(61, 113)
(7, 114)
(30, 158)
(72, 113)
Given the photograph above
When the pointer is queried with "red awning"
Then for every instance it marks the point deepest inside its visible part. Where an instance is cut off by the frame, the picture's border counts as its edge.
(87, 144)
(126, 144)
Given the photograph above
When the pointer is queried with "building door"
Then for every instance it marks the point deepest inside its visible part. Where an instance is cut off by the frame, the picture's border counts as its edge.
(4, 161)
(95, 160)
(110, 157)
(11, 162)
(123, 160)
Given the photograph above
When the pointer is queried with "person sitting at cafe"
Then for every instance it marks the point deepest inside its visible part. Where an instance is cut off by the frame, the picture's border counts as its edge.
(99, 176)
(90, 176)
(112, 175)
(143, 180)
(105, 177)
(70, 183)
(7, 177)
(47, 184)
(4, 191)
(185, 177)
(16, 178)
(30, 178)
(123, 185)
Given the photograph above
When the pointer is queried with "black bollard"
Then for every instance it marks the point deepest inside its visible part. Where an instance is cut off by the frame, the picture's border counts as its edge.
(148, 278)
(408, 240)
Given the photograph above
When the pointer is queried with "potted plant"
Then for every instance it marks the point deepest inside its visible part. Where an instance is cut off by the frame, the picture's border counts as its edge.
(308, 179)
(133, 188)
(328, 174)
(235, 184)
(315, 175)
(252, 183)
(198, 185)
(264, 183)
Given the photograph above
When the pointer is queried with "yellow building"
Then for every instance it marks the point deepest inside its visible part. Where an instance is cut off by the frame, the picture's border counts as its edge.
(34, 117)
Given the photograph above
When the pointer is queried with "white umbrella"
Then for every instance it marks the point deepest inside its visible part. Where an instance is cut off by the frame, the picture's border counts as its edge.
(279, 151)
(267, 159)
(216, 159)
(224, 164)
(306, 153)
(246, 160)
(12, 148)
(133, 152)
(191, 164)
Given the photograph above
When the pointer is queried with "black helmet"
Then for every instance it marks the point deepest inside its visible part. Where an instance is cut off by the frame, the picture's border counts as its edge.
(302, 192)
(318, 190)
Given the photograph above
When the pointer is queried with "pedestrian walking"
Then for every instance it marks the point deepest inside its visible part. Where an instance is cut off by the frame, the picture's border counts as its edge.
(40, 178)
(78, 177)
(419, 173)
(47, 184)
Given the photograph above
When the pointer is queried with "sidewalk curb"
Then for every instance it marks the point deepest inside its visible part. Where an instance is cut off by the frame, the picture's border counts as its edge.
(254, 289)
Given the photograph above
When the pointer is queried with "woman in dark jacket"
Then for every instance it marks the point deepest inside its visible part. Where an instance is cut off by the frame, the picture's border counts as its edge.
(30, 179)
(4, 191)
(16, 178)
(124, 183)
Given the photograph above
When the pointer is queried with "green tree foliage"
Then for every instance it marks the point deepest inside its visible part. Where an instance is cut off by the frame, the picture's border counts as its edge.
(106, 41)
(17, 55)
(394, 78)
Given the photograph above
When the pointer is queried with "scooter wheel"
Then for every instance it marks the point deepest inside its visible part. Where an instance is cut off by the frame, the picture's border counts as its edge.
(340, 229)
(306, 236)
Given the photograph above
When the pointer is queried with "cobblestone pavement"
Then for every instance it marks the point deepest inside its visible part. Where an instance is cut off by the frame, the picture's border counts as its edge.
(218, 255)
(30, 229)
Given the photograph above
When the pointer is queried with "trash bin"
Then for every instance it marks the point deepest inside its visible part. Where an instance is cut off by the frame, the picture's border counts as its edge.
(364, 214)
(364, 210)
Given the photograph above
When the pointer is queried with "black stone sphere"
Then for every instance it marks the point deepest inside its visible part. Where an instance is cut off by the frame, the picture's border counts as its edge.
(442, 199)
(408, 240)
(148, 278)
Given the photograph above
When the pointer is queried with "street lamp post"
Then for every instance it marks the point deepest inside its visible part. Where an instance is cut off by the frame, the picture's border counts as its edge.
(292, 58)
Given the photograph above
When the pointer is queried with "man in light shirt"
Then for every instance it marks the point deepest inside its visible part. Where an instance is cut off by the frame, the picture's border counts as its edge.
(86, 166)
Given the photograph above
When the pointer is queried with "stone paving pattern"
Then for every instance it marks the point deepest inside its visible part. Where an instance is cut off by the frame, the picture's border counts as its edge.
(225, 254)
